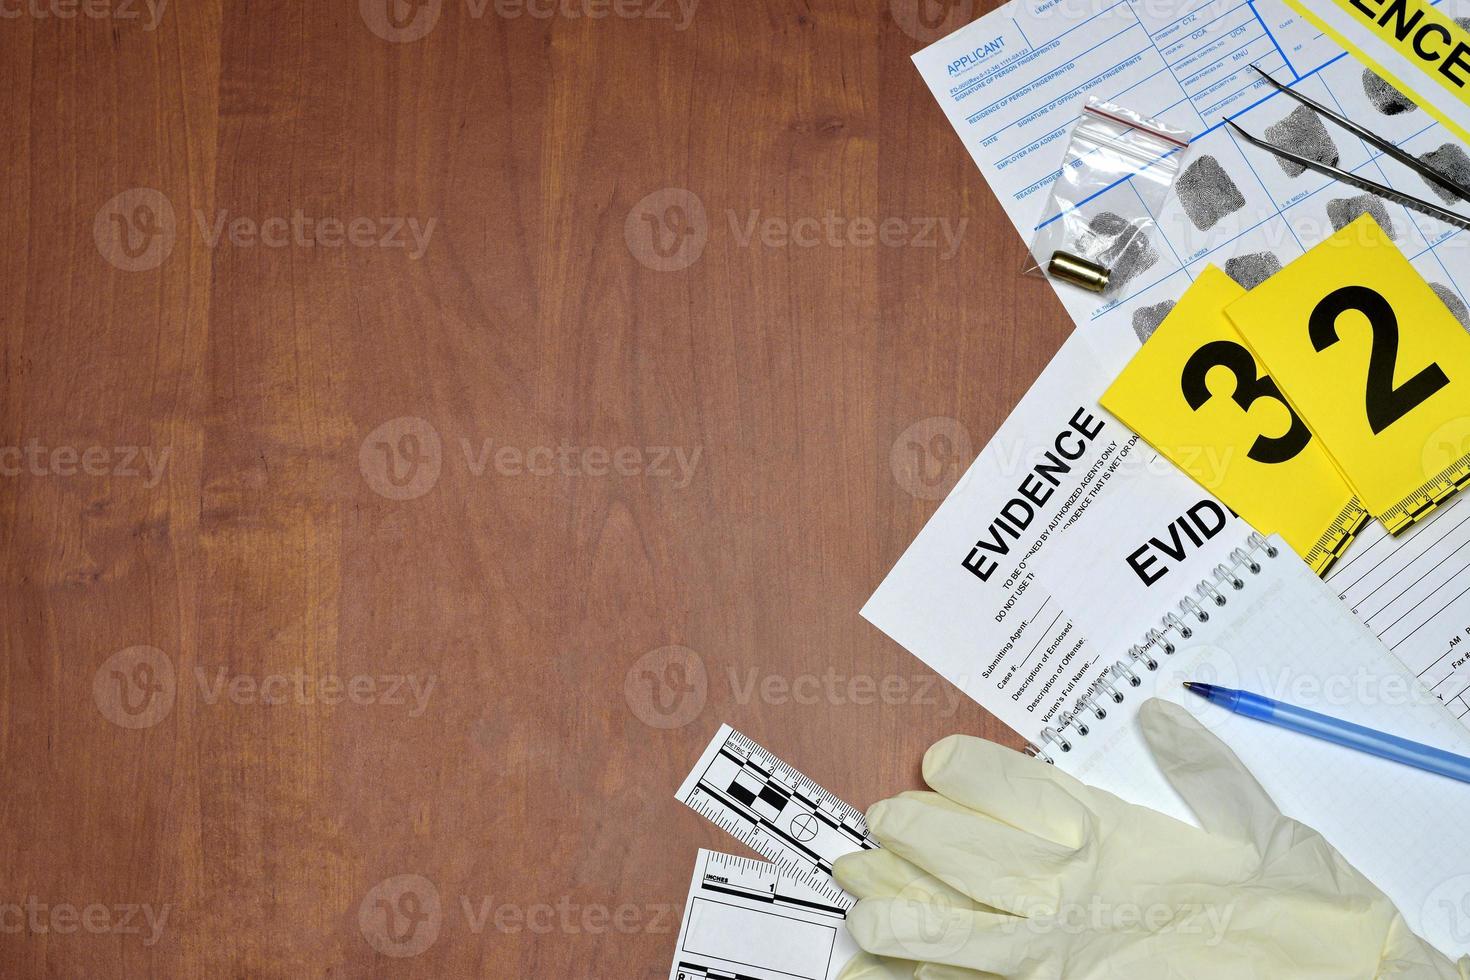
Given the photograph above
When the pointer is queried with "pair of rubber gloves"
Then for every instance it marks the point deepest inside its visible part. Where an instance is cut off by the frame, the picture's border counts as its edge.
(1013, 869)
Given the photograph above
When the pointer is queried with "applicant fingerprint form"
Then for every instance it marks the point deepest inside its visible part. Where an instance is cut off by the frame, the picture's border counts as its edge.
(1454, 302)
(1253, 268)
(1385, 98)
(1301, 131)
(1118, 245)
(1345, 210)
(1146, 319)
(1454, 163)
(1207, 193)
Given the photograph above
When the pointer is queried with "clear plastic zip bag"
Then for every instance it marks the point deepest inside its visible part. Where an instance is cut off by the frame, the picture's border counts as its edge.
(1098, 229)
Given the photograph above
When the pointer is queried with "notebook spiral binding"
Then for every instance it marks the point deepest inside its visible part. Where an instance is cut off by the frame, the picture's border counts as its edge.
(1213, 592)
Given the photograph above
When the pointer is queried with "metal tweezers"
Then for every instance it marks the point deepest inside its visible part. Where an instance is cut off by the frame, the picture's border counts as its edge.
(1353, 180)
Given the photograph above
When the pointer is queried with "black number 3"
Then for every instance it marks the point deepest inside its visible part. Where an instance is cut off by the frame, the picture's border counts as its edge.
(1249, 387)
(1386, 404)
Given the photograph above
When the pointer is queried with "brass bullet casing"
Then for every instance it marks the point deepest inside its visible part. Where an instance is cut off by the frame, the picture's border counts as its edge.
(1079, 272)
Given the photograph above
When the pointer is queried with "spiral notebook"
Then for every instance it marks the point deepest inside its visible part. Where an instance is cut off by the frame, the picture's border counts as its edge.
(1263, 622)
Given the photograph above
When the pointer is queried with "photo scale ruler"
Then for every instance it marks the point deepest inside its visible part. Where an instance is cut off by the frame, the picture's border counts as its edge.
(760, 881)
(746, 919)
(776, 811)
(1424, 501)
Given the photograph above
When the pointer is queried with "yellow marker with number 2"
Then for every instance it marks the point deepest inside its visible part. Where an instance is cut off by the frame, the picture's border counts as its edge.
(1197, 394)
(1374, 362)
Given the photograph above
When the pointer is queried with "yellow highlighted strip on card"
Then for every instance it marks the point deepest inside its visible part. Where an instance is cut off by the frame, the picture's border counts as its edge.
(1375, 363)
(1198, 395)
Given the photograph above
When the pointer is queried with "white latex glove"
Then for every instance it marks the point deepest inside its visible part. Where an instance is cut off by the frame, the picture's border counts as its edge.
(1013, 869)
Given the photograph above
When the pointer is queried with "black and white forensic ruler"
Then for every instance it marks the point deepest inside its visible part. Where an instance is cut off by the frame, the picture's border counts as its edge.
(749, 920)
(776, 811)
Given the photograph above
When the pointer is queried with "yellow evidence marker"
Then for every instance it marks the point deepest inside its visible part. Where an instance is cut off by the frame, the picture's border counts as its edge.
(1197, 394)
(1374, 362)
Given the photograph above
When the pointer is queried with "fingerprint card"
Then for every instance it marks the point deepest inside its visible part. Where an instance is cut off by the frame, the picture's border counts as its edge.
(1375, 362)
(1198, 395)
(1447, 158)
(1252, 258)
(1288, 123)
(1108, 232)
(1433, 269)
(1217, 198)
(1451, 277)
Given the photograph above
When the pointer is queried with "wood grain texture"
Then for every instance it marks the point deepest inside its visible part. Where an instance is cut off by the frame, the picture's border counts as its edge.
(507, 473)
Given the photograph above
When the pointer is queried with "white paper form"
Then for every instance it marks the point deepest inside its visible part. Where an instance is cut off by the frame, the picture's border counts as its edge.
(1186, 63)
(1012, 84)
(746, 920)
(1286, 633)
(965, 597)
(1353, 28)
(1412, 593)
(1141, 575)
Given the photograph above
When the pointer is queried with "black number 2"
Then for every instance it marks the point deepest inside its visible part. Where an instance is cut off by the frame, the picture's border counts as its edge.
(1386, 404)
(1249, 387)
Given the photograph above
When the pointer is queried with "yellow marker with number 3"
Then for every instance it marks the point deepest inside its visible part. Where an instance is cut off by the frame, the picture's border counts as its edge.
(1373, 361)
(1197, 394)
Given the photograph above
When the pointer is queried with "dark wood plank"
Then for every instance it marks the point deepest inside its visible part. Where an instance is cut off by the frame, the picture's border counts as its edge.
(652, 394)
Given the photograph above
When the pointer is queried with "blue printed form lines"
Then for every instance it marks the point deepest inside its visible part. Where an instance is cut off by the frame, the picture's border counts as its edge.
(1191, 61)
(1289, 66)
(1061, 69)
(1188, 21)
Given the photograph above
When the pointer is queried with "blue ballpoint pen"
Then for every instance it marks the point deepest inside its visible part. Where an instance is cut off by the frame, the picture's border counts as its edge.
(1345, 733)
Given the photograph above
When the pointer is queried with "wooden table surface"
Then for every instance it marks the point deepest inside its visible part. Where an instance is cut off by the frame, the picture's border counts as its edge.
(425, 423)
